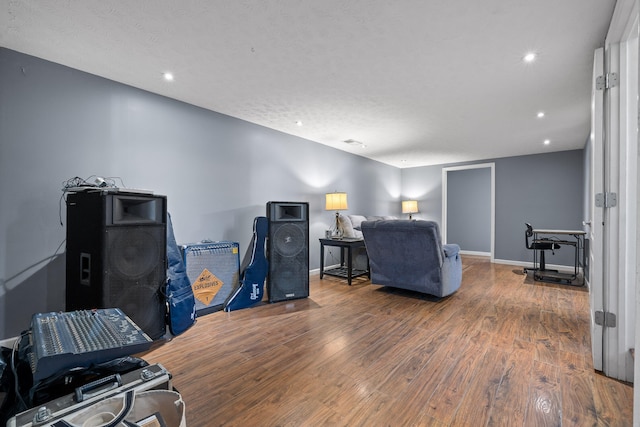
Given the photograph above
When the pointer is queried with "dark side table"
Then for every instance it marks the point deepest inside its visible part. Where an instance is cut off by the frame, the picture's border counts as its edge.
(345, 271)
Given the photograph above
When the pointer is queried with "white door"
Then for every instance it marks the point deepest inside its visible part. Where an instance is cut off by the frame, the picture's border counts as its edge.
(628, 197)
(627, 171)
(595, 232)
(613, 283)
(636, 302)
(613, 228)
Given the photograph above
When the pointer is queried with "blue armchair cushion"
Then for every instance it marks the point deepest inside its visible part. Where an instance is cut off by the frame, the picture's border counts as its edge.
(409, 254)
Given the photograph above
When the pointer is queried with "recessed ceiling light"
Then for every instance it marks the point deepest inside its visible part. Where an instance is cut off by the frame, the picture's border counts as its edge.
(299, 123)
(547, 141)
(168, 77)
(540, 114)
(529, 57)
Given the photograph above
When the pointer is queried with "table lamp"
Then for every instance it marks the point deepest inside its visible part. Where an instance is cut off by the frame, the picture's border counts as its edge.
(336, 202)
(410, 207)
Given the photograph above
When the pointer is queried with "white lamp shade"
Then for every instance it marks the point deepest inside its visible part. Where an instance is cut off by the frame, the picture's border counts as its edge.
(409, 206)
(336, 202)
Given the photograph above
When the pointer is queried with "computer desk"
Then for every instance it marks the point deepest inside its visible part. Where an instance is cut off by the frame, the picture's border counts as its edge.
(561, 237)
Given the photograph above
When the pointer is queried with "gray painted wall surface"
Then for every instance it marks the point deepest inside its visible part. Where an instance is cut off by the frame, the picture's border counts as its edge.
(545, 190)
(469, 209)
(424, 185)
(216, 171)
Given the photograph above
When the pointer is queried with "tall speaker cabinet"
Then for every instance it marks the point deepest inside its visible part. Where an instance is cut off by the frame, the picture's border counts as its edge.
(288, 250)
(116, 255)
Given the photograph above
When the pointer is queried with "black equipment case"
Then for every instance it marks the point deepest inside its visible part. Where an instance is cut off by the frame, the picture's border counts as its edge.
(151, 377)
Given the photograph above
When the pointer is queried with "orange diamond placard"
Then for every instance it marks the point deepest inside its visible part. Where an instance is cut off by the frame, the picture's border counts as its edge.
(206, 286)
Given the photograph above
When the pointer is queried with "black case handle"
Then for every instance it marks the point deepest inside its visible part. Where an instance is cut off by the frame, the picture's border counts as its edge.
(103, 384)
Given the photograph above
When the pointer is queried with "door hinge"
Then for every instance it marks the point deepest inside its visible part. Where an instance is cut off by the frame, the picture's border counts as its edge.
(607, 81)
(605, 319)
(606, 200)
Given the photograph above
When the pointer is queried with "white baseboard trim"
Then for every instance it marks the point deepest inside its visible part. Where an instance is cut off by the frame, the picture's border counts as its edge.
(511, 262)
(326, 267)
(475, 253)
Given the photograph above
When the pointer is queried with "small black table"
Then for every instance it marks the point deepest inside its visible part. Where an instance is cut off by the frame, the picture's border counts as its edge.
(344, 271)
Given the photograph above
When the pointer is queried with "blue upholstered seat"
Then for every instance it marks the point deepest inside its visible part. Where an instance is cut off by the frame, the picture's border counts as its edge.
(409, 254)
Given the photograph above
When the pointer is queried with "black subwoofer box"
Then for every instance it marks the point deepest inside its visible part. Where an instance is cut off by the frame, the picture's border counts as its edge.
(288, 250)
(116, 255)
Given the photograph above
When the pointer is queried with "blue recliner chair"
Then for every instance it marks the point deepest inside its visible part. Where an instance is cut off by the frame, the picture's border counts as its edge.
(409, 254)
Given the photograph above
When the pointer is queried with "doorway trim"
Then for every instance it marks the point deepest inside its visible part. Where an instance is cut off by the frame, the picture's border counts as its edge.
(445, 171)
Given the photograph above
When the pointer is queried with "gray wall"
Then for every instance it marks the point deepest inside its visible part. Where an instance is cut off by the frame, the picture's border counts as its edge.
(424, 184)
(545, 190)
(216, 171)
(469, 209)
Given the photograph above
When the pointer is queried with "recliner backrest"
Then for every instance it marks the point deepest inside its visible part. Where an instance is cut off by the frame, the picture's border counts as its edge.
(413, 239)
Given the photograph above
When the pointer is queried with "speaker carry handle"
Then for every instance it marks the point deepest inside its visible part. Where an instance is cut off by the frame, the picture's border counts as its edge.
(85, 268)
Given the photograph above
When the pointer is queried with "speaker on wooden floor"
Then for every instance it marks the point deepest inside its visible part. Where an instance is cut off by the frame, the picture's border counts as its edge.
(288, 250)
(116, 255)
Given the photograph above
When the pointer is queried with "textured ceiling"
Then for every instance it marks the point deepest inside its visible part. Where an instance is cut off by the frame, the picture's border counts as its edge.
(419, 82)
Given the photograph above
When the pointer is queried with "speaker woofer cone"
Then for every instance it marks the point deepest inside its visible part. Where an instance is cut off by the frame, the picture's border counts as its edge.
(288, 240)
(133, 254)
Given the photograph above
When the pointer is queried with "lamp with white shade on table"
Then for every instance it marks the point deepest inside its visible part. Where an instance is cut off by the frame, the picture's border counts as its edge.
(410, 207)
(336, 201)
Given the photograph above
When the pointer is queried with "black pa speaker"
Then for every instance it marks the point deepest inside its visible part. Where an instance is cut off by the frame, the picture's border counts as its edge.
(116, 255)
(288, 250)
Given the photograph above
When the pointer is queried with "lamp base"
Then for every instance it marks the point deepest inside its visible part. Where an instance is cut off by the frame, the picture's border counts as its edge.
(336, 234)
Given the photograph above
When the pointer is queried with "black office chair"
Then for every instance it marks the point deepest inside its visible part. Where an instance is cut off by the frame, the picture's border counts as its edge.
(539, 245)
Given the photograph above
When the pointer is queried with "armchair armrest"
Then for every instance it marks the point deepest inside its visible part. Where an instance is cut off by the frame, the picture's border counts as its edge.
(451, 250)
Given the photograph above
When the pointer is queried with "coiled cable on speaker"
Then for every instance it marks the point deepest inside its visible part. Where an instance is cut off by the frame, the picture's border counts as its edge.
(93, 181)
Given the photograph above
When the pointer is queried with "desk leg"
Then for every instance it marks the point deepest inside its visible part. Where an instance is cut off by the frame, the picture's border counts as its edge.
(349, 261)
(535, 257)
(321, 259)
(579, 246)
(575, 266)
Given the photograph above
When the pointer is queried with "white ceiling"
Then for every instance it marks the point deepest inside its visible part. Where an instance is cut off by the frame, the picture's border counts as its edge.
(420, 82)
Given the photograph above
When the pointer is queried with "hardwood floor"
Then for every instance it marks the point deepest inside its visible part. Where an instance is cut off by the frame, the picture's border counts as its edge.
(504, 350)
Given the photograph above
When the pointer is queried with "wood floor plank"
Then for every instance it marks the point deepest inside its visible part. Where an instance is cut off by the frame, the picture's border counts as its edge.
(610, 400)
(545, 399)
(451, 390)
(528, 323)
(502, 351)
(578, 387)
(512, 397)
(400, 374)
(477, 403)
(546, 351)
